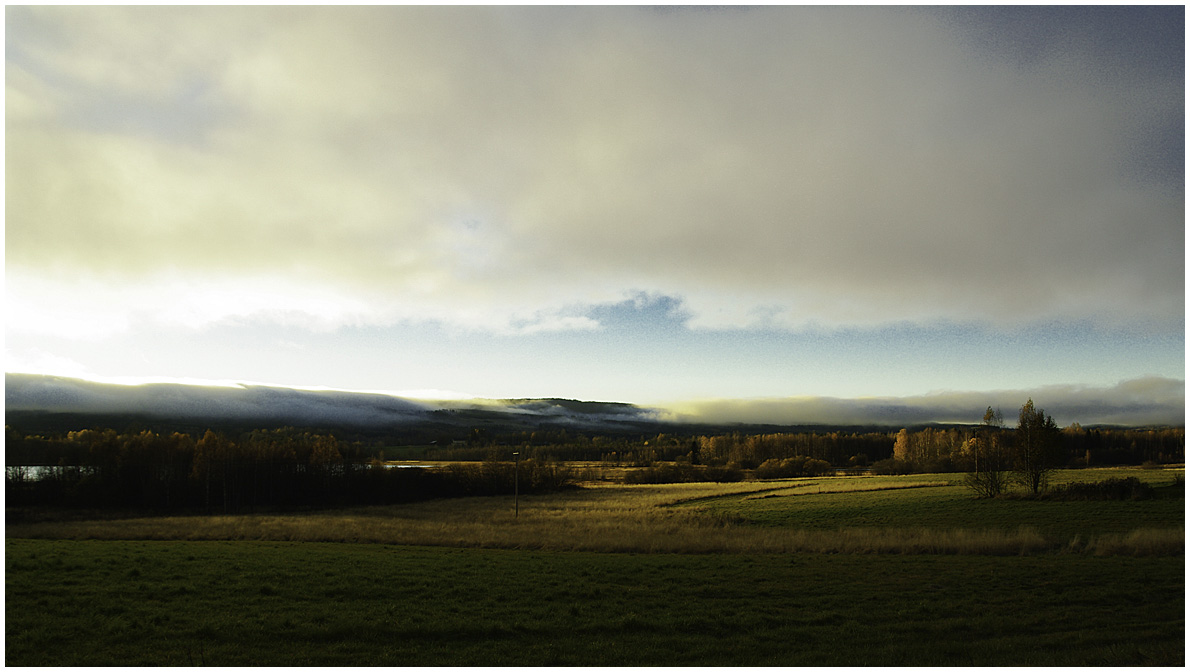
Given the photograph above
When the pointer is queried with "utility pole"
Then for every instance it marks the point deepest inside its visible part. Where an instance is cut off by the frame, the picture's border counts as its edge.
(516, 485)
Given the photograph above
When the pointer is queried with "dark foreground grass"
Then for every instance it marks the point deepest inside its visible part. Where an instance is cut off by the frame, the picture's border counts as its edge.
(265, 603)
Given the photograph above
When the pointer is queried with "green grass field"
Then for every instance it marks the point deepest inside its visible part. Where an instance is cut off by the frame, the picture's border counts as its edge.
(258, 603)
(940, 501)
(692, 574)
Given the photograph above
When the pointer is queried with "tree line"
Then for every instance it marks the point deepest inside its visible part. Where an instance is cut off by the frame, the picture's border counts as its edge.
(923, 449)
(262, 469)
(287, 467)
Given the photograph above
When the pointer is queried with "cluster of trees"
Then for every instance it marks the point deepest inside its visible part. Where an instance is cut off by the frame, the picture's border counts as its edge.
(993, 450)
(1033, 452)
(1028, 455)
(1093, 447)
(261, 469)
(794, 467)
(833, 447)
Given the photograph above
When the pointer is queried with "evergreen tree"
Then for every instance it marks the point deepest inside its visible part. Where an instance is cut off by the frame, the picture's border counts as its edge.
(1036, 448)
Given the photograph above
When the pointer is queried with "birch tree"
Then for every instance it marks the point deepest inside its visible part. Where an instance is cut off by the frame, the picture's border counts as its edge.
(990, 477)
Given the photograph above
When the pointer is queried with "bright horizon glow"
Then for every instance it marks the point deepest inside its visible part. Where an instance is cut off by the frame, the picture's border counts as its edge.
(644, 205)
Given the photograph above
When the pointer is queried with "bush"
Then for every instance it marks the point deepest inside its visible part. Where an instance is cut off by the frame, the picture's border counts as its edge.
(892, 467)
(943, 465)
(500, 478)
(683, 473)
(1113, 489)
(815, 467)
(793, 467)
(548, 476)
(776, 468)
(987, 484)
(728, 474)
(658, 473)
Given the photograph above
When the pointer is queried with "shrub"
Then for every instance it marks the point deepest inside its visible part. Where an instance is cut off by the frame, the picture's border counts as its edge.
(658, 473)
(943, 465)
(728, 474)
(546, 476)
(1115, 489)
(892, 467)
(497, 478)
(814, 467)
(776, 468)
(986, 484)
(682, 473)
(793, 467)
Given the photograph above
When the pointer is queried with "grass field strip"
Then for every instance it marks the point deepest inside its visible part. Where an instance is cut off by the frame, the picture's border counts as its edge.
(782, 492)
(668, 518)
(751, 494)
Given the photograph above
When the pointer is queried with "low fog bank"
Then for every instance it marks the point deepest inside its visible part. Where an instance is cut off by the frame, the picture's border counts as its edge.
(1143, 401)
(1138, 402)
(52, 394)
(561, 410)
(252, 403)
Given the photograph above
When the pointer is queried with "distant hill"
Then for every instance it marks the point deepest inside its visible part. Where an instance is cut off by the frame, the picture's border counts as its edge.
(51, 403)
(37, 401)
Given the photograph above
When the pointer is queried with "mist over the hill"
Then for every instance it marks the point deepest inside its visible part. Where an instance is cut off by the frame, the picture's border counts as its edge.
(1145, 401)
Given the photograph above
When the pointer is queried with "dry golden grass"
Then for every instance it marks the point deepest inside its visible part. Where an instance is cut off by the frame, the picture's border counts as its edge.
(1143, 541)
(607, 518)
(814, 488)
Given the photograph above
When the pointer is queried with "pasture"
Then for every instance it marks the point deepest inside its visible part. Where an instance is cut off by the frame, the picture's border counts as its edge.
(904, 570)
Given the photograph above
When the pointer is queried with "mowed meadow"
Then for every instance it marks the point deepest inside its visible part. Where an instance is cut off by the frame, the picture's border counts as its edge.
(878, 570)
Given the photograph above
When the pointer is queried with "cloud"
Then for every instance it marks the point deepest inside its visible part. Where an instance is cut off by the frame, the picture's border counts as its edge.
(220, 401)
(39, 361)
(509, 169)
(1142, 401)
(245, 402)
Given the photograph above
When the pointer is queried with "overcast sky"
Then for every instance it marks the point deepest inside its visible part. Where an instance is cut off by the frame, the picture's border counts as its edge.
(630, 204)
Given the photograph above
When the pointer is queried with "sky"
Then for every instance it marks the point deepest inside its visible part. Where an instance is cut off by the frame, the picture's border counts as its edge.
(684, 206)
